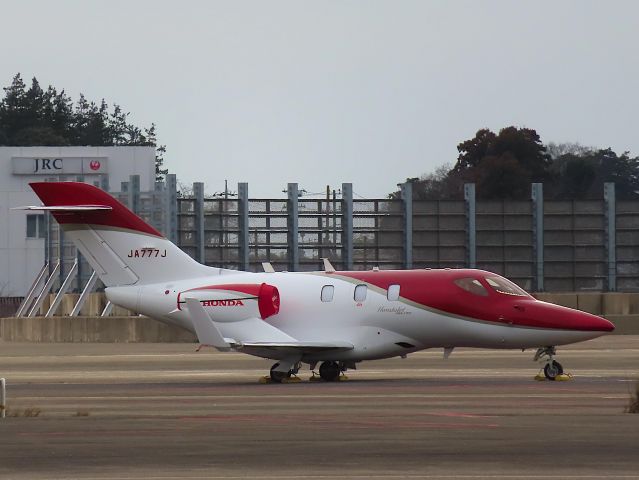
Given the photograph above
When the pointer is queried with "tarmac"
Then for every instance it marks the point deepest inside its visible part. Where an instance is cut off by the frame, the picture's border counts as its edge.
(160, 411)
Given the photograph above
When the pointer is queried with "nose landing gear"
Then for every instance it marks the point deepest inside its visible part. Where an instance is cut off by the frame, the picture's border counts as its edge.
(553, 370)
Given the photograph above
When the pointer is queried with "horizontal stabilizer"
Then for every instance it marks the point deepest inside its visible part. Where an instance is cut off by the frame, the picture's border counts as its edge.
(65, 208)
(205, 329)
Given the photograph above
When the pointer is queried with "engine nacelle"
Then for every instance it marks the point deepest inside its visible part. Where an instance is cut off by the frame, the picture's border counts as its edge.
(235, 302)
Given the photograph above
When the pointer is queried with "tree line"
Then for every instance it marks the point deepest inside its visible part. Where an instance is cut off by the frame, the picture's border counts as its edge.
(31, 116)
(503, 165)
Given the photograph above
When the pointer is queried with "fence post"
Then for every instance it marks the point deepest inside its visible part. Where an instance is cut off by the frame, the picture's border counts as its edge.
(45, 290)
(3, 397)
(293, 227)
(63, 288)
(243, 224)
(407, 230)
(537, 196)
(611, 234)
(84, 295)
(471, 235)
(347, 225)
(104, 182)
(171, 208)
(198, 192)
(134, 193)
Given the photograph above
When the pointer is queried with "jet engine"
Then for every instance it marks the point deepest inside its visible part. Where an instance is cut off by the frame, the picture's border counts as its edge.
(235, 302)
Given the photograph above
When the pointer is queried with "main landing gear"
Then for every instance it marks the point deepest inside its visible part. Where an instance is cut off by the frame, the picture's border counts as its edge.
(328, 371)
(553, 370)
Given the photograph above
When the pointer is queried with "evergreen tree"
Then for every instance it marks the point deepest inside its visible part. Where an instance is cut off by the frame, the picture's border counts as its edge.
(504, 165)
(45, 117)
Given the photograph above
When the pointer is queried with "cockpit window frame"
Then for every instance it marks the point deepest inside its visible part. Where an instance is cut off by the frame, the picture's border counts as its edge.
(504, 286)
(472, 285)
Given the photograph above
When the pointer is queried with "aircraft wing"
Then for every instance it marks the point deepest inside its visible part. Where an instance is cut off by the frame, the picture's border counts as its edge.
(209, 334)
(301, 346)
(205, 329)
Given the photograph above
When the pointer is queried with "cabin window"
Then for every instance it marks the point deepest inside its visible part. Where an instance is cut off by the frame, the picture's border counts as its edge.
(327, 293)
(472, 285)
(501, 285)
(393, 293)
(360, 293)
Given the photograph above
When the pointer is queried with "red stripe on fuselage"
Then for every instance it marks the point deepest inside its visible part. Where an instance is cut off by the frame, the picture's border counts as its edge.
(436, 290)
(76, 193)
(248, 288)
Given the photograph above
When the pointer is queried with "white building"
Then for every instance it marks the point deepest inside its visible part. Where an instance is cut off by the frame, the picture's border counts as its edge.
(22, 234)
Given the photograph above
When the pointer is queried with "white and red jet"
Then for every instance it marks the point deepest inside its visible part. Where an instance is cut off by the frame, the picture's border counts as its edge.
(336, 318)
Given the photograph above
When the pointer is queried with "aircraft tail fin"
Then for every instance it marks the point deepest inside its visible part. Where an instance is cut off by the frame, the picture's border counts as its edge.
(121, 247)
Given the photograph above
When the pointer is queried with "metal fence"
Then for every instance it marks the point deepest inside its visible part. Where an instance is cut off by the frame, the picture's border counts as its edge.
(542, 245)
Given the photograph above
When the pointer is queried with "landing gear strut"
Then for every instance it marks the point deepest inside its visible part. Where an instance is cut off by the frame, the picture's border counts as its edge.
(279, 376)
(553, 368)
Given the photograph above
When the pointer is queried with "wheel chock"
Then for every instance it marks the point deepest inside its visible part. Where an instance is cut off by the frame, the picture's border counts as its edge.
(564, 377)
(291, 380)
(267, 379)
(317, 378)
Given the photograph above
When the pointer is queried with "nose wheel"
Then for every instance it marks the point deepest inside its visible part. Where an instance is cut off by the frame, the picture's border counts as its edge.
(553, 368)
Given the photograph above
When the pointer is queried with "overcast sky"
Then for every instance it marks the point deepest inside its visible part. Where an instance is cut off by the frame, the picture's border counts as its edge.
(325, 92)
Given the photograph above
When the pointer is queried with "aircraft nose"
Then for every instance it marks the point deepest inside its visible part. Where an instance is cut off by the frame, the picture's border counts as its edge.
(565, 318)
(594, 323)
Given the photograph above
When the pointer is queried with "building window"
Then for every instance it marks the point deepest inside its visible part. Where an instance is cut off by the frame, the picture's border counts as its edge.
(327, 293)
(360, 293)
(393, 293)
(35, 226)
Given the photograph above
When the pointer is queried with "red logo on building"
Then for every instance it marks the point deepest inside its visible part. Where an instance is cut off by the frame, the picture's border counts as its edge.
(94, 165)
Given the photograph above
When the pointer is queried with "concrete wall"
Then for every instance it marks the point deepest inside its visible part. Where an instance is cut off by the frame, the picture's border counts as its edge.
(91, 329)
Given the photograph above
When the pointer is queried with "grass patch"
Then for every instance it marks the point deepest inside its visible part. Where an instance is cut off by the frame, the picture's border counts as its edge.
(633, 405)
(27, 412)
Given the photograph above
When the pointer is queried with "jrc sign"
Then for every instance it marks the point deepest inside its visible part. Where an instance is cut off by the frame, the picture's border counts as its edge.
(59, 165)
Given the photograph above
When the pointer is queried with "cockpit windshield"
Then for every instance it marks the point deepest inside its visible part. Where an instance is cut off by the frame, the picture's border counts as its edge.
(472, 285)
(501, 285)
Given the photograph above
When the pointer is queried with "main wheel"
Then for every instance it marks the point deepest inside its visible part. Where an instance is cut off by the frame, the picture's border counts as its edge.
(276, 376)
(552, 370)
(329, 371)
